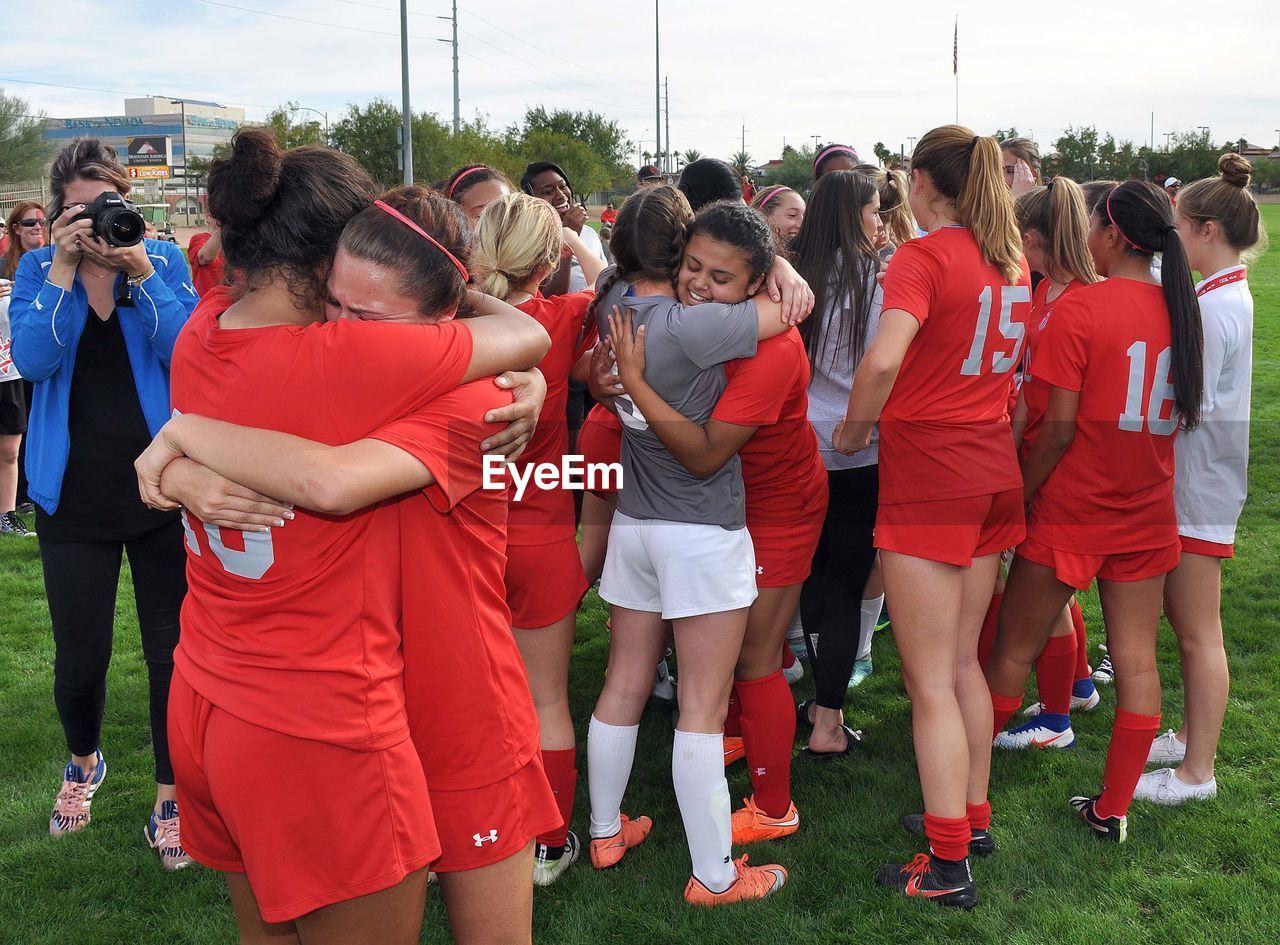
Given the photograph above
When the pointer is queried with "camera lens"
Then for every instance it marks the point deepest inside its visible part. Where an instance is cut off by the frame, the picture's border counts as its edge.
(122, 227)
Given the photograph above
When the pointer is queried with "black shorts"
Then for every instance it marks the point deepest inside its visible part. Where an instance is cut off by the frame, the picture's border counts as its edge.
(13, 408)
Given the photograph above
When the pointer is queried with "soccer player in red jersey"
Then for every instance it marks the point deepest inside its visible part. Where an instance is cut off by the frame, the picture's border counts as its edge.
(1123, 359)
(518, 243)
(292, 649)
(763, 418)
(937, 377)
(1220, 227)
(1054, 224)
(474, 187)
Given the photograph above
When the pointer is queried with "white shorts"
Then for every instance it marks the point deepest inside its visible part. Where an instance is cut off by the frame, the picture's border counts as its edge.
(678, 569)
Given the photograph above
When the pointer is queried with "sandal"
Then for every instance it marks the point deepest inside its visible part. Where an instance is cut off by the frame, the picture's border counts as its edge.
(852, 740)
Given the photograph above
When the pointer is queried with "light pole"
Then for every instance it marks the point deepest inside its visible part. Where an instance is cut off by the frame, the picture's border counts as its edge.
(1167, 136)
(1278, 141)
(911, 143)
(406, 117)
(186, 181)
(657, 82)
(324, 115)
(1204, 130)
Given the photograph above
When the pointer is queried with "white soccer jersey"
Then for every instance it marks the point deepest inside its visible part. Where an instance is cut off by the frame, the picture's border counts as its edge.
(1213, 459)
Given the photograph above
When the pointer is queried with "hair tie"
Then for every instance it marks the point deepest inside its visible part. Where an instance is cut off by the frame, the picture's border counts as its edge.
(466, 276)
(1170, 228)
(463, 176)
(1123, 236)
(973, 143)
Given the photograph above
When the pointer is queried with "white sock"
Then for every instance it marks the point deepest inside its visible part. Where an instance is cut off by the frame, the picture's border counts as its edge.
(867, 628)
(697, 771)
(610, 751)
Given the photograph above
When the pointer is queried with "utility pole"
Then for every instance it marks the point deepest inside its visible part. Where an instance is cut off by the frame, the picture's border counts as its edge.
(457, 105)
(744, 139)
(666, 165)
(657, 82)
(406, 116)
(186, 181)
(815, 142)
(1167, 136)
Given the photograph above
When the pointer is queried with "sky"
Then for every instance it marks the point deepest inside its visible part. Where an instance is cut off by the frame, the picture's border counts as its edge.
(845, 72)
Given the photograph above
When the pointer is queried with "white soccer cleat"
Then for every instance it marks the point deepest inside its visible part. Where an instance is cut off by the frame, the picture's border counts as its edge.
(1034, 735)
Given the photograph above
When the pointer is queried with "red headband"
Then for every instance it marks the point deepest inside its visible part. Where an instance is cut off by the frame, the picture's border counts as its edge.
(1140, 249)
(466, 276)
(463, 176)
(770, 194)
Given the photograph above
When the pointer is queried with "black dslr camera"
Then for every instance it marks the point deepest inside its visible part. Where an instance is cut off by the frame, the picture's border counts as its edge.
(116, 221)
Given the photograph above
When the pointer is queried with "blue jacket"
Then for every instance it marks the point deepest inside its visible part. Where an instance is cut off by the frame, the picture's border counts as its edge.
(46, 323)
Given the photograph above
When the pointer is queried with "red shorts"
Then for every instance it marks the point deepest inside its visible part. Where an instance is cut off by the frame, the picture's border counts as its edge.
(544, 583)
(784, 553)
(953, 531)
(1210, 549)
(600, 440)
(1078, 571)
(309, 823)
(482, 826)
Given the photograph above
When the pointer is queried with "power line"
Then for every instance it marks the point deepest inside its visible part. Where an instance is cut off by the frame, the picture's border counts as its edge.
(550, 71)
(514, 75)
(88, 88)
(300, 19)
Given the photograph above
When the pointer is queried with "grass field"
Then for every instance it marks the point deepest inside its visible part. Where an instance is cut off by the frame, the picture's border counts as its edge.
(1206, 873)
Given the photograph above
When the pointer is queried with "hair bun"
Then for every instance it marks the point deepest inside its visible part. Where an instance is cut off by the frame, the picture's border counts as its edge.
(242, 185)
(1235, 169)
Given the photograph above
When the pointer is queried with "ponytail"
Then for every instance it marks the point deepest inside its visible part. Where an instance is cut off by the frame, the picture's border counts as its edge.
(1143, 216)
(517, 237)
(966, 169)
(1057, 214)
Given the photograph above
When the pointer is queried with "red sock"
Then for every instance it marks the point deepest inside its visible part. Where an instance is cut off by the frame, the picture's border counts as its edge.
(1055, 671)
(979, 815)
(768, 731)
(733, 721)
(1082, 641)
(948, 836)
(987, 638)
(788, 657)
(1131, 740)
(1003, 708)
(562, 775)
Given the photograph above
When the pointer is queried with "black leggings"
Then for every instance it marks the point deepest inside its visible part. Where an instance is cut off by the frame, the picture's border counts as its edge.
(831, 599)
(80, 580)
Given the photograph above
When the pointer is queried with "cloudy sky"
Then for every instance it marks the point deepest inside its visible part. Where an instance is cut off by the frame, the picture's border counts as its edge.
(850, 72)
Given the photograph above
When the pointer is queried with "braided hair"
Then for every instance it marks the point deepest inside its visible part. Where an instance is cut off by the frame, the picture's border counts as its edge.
(648, 238)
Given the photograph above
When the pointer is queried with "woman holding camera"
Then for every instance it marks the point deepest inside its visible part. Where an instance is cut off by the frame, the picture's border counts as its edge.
(94, 317)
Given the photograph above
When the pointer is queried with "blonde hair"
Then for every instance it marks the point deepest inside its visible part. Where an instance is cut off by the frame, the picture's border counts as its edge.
(517, 237)
(1226, 200)
(1059, 215)
(966, 170)
(895, 208)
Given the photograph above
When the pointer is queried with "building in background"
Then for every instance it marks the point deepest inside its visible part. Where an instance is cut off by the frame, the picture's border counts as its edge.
(154, 137)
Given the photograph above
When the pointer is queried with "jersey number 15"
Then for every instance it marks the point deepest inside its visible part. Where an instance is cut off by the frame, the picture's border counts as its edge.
(1010, 330)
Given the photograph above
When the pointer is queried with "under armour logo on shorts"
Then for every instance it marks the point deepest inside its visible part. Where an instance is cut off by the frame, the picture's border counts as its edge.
(760, 772)
(482, 839)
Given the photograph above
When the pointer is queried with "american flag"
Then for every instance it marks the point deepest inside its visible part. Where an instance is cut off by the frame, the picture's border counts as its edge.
(955, 50)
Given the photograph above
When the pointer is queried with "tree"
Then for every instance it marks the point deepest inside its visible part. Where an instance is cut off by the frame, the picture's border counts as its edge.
(23, 150)
(795, 171)
(368, 134)
(741, 164)
(600, 136)
(291, 134)
(1004, 134)
(886, 157)
(688, 157)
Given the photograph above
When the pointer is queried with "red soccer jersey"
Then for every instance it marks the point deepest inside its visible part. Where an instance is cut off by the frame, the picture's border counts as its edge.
(297, 629)
(205, 277)
(782, 471)
(1112, 493)
(543, 516)
(944, 432)
(1035, 392)
(470, 712)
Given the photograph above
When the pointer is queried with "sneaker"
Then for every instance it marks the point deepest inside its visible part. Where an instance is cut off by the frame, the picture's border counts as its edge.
(547, 868)
(1115, 829)
(861, 670)
(751, 824)
(753, 882)
(163, 834)
(735, 749)
(981, 843)
(10, 524)
(946, 882)
(607, 851)
(1103, 674)
(1164, 787)
(1045, 730)
(793, 673)
(1082, 699)
(1167, 750)
(664, 686)
(71, 809)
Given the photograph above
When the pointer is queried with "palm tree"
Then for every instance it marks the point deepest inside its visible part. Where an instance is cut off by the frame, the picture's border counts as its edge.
(741, 163)
(688, 157)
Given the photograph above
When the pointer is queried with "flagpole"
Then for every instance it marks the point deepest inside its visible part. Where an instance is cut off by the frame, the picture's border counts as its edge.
(955, 64)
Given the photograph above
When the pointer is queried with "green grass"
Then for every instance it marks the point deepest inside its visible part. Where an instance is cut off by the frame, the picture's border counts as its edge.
(1206, 873)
